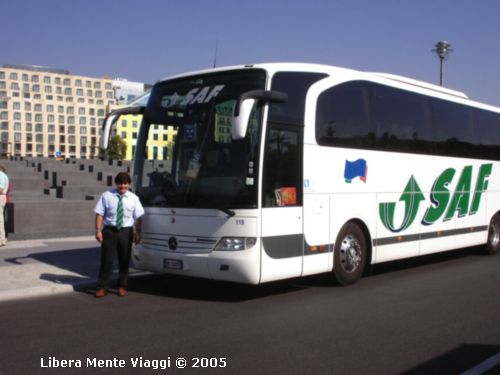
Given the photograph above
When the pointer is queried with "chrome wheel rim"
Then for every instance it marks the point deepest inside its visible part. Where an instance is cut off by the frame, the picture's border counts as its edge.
(350, 253)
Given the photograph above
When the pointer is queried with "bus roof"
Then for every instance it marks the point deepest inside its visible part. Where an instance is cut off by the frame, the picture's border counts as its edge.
(401, 81)
(426, 85)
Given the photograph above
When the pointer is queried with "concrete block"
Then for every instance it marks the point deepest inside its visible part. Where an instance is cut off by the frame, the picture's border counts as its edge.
(80, 192)
(58, 217)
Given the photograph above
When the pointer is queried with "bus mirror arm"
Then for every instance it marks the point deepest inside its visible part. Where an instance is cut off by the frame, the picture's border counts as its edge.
(244, 106)
(111, 119)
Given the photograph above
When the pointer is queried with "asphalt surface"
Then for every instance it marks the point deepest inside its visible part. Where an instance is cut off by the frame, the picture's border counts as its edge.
(432, 315)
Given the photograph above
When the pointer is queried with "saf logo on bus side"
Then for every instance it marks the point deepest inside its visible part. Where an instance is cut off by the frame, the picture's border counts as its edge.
(440, 198)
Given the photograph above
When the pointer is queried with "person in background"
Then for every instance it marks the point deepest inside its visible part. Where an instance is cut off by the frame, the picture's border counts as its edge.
(4, 188)
(5, 217)
(117, 212)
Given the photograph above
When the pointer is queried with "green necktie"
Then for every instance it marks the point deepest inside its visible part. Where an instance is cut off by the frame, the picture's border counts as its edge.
(119, 213)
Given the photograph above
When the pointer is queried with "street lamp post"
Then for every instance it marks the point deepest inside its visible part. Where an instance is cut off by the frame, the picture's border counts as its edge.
(442, 49)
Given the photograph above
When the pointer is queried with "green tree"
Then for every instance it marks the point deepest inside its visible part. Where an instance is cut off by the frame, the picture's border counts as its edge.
(117, 148)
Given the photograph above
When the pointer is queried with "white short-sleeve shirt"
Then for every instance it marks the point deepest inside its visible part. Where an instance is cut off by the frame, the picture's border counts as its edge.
(108, 203)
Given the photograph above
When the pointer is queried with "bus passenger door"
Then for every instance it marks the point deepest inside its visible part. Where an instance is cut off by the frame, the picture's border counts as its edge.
(282, 212)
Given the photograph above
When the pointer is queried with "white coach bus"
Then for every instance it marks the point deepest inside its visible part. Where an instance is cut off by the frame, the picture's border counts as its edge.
(284, 170)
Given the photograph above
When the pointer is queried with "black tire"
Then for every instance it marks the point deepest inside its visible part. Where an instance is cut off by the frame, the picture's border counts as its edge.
(350, 254)
(493, 242)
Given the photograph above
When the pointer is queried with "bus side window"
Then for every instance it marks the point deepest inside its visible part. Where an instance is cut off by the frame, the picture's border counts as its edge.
(343, 116)
(282, 169)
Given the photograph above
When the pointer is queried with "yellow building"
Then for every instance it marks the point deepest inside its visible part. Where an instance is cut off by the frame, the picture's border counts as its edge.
(161, 139)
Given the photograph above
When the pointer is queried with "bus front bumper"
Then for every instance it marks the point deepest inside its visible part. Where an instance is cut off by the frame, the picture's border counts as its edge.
(235, 266)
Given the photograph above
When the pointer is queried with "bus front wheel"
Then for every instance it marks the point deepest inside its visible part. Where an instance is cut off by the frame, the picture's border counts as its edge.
(493, 244)
(350, 254)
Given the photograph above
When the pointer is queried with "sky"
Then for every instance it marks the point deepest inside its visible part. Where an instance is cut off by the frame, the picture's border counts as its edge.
(146, 40)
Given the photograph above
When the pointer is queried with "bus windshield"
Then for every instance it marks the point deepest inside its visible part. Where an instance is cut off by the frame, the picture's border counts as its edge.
(186, 156)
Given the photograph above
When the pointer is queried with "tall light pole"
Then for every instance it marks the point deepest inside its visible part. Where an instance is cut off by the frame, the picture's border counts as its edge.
(443, 49)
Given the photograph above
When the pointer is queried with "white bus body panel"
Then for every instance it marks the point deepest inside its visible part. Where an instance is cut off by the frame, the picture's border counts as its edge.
(279, 222)
(317, 232)
(387, 176)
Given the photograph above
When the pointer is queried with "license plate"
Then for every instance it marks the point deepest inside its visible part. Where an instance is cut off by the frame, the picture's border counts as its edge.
(172, 264)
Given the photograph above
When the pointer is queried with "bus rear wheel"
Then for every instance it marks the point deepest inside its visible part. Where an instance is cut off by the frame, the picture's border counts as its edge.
(493, 243)
(350, 253)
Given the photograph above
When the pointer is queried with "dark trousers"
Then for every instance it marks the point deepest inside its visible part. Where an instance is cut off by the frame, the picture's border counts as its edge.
(5, 218)
(115, 242)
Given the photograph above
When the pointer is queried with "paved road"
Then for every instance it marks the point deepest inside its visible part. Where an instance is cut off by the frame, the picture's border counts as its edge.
(433, 316)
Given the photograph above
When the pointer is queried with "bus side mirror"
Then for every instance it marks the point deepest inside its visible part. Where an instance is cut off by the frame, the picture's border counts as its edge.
(111, 119)
(244, 106)
(239, 122)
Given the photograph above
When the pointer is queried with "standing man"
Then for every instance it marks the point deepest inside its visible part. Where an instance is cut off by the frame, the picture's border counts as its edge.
(4, 187)
(119, 210)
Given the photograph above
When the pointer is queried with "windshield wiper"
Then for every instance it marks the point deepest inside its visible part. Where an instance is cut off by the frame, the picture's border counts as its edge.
(227, 211)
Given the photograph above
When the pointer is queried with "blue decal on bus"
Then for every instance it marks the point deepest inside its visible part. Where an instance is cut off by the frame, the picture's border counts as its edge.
(353, 169)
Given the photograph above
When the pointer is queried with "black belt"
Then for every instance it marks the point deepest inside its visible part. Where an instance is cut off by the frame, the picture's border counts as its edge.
(115, 229)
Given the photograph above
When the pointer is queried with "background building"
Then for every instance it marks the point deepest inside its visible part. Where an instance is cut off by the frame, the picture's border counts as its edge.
(49, 112)
(126, 91)
(160, 138)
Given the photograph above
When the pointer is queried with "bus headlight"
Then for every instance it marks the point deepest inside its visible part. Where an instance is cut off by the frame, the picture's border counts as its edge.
(235, 243)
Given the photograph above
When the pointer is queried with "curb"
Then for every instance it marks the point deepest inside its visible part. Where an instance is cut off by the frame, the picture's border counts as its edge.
(33, 292)
(56, 289)
(41, 242)
(44, 291)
